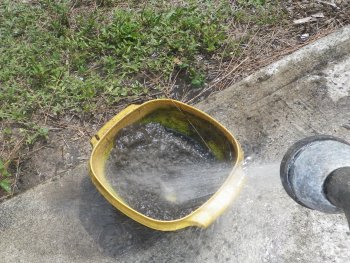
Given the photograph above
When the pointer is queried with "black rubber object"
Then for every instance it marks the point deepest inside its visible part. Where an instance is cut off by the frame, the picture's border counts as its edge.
(337, 189)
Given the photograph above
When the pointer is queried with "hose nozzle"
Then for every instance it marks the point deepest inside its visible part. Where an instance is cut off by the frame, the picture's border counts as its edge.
(315, 172)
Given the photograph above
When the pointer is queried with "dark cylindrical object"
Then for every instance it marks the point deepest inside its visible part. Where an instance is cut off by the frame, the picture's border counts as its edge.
(315, 172)
(306, 166)
(337, 189)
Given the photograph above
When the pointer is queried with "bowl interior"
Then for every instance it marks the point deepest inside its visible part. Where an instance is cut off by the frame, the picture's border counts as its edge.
(179, 119)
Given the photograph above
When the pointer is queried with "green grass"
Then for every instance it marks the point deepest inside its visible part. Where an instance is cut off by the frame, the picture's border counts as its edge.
(54, 61)
(5, 182)
(46, 63)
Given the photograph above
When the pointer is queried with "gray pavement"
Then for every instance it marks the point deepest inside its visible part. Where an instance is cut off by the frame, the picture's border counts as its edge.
(306, 93)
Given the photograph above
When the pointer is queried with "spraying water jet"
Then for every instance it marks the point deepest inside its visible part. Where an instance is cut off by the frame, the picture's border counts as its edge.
(315, 172)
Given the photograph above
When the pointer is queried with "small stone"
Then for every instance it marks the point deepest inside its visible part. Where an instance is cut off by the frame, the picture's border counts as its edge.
(346, 126)
(304, 37)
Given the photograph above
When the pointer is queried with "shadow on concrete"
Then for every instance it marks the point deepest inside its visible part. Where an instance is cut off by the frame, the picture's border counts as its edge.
(117, 235)
(114, 232)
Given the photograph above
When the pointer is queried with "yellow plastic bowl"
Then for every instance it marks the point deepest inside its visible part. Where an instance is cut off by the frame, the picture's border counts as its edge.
(102, 144)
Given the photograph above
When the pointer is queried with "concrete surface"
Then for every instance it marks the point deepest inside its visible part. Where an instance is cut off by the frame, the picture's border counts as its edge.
(66, 220)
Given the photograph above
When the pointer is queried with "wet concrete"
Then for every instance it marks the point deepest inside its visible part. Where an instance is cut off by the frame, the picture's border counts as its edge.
(66, 219)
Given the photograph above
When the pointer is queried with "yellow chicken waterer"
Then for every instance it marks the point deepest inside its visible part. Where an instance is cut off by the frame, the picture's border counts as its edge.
(186, 120)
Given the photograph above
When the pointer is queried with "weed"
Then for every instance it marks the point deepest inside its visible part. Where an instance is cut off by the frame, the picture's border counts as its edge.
(48, 65)
(252, 2)
(259, 12)
(33, 132)
(5, 182)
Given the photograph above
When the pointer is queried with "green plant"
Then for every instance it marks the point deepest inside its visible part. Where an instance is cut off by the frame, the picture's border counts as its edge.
(5, 182)
(33, 133)
(259, 12)
(48, 64)
(252, 2)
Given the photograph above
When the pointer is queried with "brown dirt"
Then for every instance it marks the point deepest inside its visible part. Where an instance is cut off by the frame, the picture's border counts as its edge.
(268, 43)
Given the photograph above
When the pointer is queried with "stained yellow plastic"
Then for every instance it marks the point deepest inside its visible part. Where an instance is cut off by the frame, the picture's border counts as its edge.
(206, 214)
